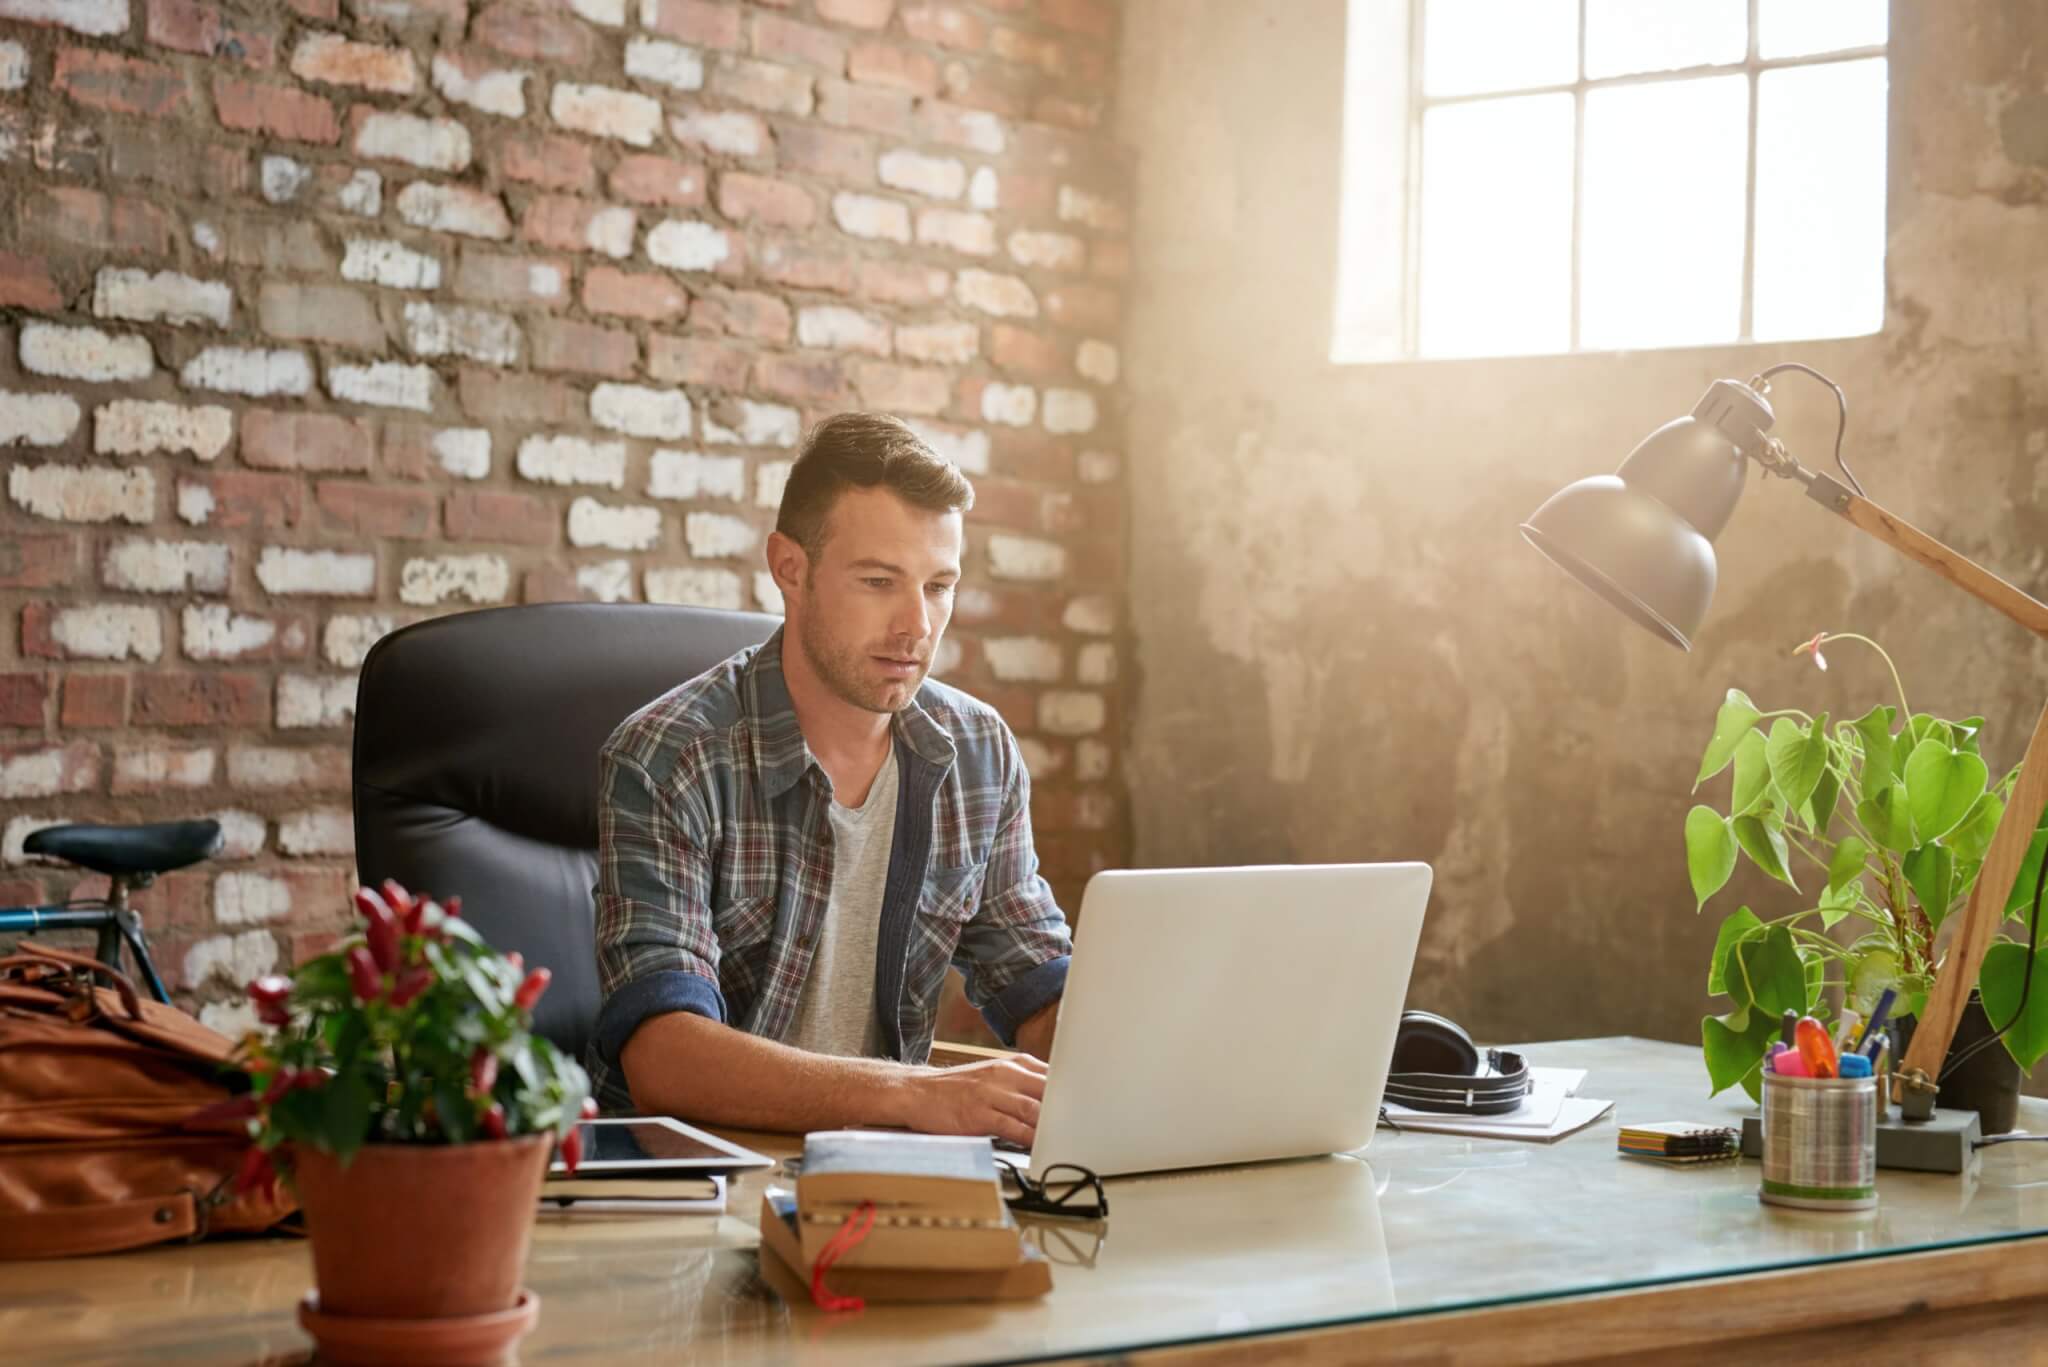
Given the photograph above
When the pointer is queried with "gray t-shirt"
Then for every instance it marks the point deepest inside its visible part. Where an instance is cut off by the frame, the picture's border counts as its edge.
(836, 1013)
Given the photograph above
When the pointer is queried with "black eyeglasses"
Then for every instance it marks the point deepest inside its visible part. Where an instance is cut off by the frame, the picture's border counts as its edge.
(1062, 1189)
(1075, 1245)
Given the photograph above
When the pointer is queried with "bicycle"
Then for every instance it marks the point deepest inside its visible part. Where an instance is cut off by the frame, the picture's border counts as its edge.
(131, 857)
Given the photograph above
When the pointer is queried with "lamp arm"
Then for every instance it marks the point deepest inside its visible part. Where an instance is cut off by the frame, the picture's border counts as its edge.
(1932, 1035)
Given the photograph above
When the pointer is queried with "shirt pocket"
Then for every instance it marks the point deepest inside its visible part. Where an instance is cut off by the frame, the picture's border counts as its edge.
(948, 902)
(745, 931)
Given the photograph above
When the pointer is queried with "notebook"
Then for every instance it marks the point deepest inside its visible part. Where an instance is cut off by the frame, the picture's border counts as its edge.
(783, 1264)
(1677, 1141)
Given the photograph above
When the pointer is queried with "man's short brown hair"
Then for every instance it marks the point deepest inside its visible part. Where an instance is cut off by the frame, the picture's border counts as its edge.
(860, 451)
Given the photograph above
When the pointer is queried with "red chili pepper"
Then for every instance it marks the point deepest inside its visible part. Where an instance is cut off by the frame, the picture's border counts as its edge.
(483, 1072)
(241, 1107)
(530, 990)
(411, 983)
(403, 905)
(572, 1149)
(494, 1121)
(255, 1171)
(517, 960)
(589, 1108)
(271, 995)
(363, 975)
(453, 908)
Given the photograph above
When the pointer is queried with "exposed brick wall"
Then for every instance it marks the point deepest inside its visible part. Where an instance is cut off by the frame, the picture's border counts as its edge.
(321, 317)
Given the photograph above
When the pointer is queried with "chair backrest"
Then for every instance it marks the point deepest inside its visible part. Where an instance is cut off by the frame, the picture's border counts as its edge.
(475, 769)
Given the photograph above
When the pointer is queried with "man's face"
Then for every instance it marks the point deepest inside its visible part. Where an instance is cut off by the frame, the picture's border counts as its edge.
(874, 602)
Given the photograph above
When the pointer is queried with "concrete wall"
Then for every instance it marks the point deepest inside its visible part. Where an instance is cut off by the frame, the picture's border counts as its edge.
(1343, 648)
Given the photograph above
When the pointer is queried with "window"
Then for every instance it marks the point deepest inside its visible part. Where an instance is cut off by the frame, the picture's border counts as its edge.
(1599, 175)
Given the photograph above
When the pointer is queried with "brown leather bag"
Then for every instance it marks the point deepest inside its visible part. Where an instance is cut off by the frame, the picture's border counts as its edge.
(99, 1147)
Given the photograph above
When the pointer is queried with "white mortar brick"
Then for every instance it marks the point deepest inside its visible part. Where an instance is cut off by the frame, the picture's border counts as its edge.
(452, 330)
(610, 231)
(1041, 761)
(1025, 557)
(141, 566)
(241, 833)
(1005, 296)
(235, 1018)
(20, 828)
(195, 503)
(1064, 712)
(1013, 405)
(215, 632)
(1096, 663)
(933, 177)
(78, 493)
(1100, 467)
(633, 528)
(608, 581)
(454, 209)
(736, 135)
(984, 131)
(281, 179)
(393, 265)
(320, 830)
(610, 13)
(1069, 410)
(842, 329)
(942, 343)
(84, 353)
(14, 66)
(274, 766)
(687, 245)
(207, 238)
(670, 64)
(37, 419)
(719, 536)
(947, 658)
(348, 637)
(572, 460)
(383, 384)
(250, 899)
(94, 18)
(156, 765)
(319, 57)
(1091, 614)
(464, 452)
(135, 427)
(639, 411)
(766, 594)
(769, 481)
(45, 773)
(602, 112)
(247, 370)
(304, 700)
(430, 144)
(1098, 361)
(494, 92)
(1023, 659)
(109, 631)
(695, 588)
(363, 194)
(436, 579)
(165, 297)
(970, 234)
(235, 959)
(761, 424)
(982, 191)
(1047, 251)
(1078, 206)
(1091, 761)
(334, 574)
(870, 217)
(968, 449)
(692, 474)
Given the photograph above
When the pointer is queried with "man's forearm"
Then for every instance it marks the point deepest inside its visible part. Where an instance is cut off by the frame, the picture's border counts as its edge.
(697, 1069)
(1034, 1036)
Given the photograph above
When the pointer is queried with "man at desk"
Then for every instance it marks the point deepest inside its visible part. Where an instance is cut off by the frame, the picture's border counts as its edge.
(793, 845)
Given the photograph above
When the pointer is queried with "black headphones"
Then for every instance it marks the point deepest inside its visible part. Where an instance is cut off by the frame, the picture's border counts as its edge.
(1436, 1067)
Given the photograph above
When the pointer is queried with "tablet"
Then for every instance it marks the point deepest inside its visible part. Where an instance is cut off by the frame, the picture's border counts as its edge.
(654, 1145)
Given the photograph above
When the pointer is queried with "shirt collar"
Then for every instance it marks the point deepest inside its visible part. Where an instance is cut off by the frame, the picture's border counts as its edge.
(781, 755)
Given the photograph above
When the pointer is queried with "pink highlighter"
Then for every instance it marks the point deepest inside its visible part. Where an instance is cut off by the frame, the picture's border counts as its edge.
(1788, 1063)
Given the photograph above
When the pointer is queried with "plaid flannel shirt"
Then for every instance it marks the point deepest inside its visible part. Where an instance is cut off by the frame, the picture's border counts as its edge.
(715, 865)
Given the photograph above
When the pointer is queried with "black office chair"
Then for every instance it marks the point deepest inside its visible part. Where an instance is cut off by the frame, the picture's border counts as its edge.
(475, 769)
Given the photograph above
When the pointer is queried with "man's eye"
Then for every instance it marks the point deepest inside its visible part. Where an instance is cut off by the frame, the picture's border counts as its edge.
(876, 583)
(940, 590)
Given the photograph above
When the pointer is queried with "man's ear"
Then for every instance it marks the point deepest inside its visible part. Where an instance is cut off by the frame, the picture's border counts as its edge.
(788, 562)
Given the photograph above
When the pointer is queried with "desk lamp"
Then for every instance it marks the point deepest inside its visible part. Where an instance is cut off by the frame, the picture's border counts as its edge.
(1643, 539)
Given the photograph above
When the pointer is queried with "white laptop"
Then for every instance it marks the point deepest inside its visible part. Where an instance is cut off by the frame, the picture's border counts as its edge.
(1229, 1015)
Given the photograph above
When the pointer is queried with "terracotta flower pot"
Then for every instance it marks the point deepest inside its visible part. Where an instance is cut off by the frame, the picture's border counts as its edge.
(422, 1231)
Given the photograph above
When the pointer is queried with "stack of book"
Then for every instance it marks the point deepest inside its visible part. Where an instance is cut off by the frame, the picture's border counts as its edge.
(940, 1231)
(633, 1194)
(1674, 1141)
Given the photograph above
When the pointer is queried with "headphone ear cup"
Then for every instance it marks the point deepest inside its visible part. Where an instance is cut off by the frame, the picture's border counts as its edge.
(1429, 1043)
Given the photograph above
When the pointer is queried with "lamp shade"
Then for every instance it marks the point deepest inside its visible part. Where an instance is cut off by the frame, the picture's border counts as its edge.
(1643, 537)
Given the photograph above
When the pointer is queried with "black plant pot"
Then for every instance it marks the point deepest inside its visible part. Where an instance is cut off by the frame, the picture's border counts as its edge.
(1988, 1082)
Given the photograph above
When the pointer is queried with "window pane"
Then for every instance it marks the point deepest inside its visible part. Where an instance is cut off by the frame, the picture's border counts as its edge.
(1796, 28)
(1496, 227)
(1470, 46)
(1661, 253)
(1820, 224)
(1625, 36)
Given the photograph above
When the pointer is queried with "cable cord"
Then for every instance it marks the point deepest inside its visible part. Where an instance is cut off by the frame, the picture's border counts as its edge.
(1841, 405)
(2026, 979)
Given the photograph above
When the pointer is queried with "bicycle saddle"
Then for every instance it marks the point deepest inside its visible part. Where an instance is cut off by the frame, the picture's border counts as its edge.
(128, 850)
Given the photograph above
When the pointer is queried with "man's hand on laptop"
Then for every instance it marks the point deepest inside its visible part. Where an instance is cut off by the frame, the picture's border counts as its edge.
(999, 1096)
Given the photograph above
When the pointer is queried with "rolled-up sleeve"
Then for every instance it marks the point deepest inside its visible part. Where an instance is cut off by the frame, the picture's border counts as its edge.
(656, 950)
(1013, 953)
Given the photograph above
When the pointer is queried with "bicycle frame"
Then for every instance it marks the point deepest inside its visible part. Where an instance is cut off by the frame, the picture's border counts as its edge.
(114, 920)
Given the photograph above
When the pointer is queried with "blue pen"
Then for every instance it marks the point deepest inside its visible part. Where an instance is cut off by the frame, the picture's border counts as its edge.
(1877, 1046)
(1877, 1015)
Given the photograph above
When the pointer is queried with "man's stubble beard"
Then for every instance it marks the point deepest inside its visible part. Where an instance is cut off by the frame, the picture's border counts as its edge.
(841, 670)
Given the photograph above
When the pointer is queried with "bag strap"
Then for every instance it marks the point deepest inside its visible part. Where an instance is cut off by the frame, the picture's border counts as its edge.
(1494, 1093)
(69, 1231)
(29, 954)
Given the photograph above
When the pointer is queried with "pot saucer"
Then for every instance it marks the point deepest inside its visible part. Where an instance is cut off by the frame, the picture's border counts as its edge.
(460, 1341)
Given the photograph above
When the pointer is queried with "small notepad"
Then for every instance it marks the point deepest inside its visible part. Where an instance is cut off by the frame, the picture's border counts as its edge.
(1677, 1141)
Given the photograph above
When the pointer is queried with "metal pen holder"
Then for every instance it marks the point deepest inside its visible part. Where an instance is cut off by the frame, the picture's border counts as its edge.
(1819, 1142)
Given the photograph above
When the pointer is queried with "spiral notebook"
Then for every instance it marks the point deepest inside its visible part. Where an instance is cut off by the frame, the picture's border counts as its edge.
(1678, 1141)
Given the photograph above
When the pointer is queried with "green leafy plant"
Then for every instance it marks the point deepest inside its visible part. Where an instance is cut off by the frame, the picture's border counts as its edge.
(413, 1031)
(1880, 825)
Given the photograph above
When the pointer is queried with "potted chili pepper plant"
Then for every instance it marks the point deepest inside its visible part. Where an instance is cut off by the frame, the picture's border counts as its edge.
(404, 1095)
